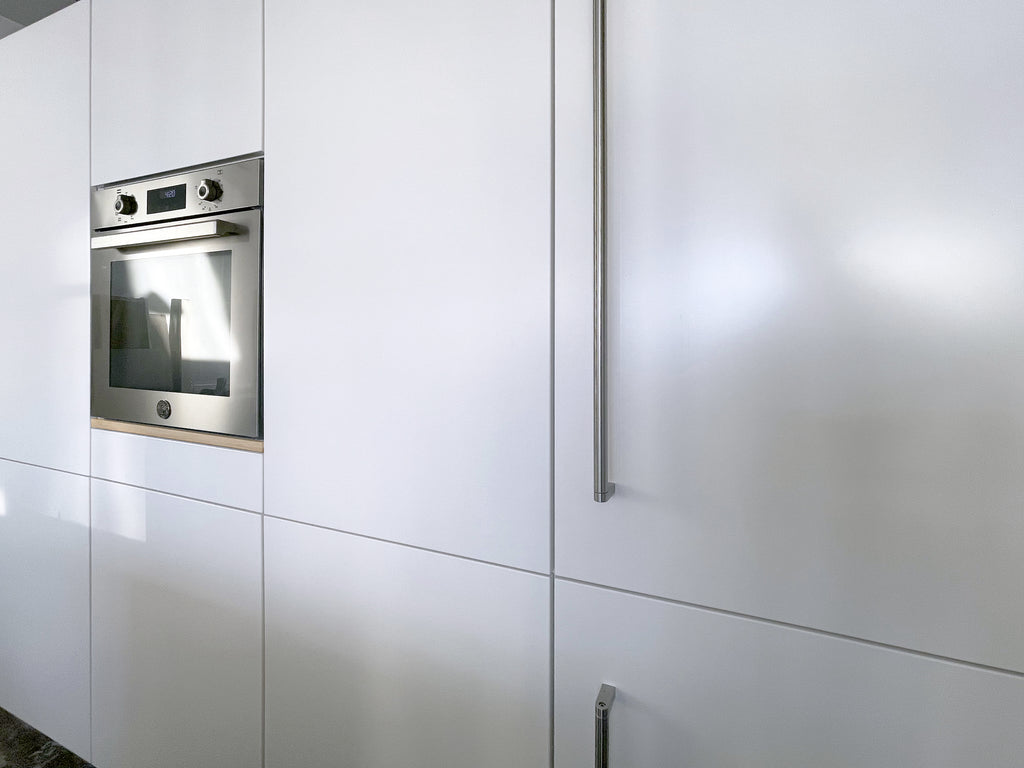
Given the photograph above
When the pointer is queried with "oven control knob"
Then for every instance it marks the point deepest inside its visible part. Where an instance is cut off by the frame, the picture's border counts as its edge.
(125, 205)
(209, 190)
(163, 409)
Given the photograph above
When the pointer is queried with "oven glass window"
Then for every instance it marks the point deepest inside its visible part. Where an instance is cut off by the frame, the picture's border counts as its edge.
(170, 323)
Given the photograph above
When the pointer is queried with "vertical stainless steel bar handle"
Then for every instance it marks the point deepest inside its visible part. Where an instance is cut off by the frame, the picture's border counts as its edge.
(602, 708)
(603, 489)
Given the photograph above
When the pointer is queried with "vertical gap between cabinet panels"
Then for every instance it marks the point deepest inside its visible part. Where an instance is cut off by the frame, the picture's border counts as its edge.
(263, 76)
(263, 474)
(89, 580)
(263, 615)
(88, 193)
(551, 397)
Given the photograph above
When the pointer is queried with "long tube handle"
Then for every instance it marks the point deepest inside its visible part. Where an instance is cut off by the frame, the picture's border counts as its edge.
(602, 708)
(603, 489)
(166, 234)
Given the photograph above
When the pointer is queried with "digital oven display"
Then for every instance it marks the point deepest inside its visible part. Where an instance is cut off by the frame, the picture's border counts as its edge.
(165, 199)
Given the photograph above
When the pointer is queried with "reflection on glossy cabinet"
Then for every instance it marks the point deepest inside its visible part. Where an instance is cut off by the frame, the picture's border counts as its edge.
(44, 242)
(223, 476)
(408, 272)
(380, 655)
(176, 631)
(699, 688)
(174, 84)
(815, 317)
(44, 601)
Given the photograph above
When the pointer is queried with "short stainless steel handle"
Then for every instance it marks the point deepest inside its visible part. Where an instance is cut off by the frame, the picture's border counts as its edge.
(602, 708)
(603, 490)
(172, 234)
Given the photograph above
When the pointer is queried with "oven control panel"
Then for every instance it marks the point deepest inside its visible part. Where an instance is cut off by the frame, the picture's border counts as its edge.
(226, 187)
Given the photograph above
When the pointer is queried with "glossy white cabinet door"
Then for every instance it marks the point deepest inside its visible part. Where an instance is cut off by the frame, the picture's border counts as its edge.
(380, 655)
(44, 601)
(44, 242)
(174, 84)
(222, 476)
(702, 689)
(816, 325)
(408, 272)
(176, 631)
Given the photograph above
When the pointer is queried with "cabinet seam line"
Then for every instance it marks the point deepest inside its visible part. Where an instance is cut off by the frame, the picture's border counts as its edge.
(481, 561)
(800, 628)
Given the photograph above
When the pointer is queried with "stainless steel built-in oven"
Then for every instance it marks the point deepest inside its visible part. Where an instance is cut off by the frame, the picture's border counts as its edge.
(176, 296)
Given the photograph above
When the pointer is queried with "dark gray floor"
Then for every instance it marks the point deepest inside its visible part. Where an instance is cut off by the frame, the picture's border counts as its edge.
(22, 746)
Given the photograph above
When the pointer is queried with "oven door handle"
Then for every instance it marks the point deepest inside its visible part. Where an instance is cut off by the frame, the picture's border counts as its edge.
(172, 234)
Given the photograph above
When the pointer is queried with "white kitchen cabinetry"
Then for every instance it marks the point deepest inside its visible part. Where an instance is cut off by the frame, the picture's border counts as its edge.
(44, 226)
(44, 600)
(702, 689)
(176, 631)
(408, 272)
(381, 655)
(816, 323)
(174, 84)
(224, 476)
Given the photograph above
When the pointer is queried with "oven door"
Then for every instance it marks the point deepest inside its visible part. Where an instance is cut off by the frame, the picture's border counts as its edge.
(177, 325)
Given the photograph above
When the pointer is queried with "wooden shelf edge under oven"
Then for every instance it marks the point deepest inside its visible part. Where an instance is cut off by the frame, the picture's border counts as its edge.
(184, 435)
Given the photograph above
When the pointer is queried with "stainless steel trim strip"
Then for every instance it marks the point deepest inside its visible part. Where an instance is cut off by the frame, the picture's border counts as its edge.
(603, 490)
(172, 234)
(602, 708)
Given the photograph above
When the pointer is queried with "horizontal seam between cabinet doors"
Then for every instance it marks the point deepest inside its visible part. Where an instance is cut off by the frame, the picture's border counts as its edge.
(175, 495)
(801, 628)
(410, 546)
(43, 466)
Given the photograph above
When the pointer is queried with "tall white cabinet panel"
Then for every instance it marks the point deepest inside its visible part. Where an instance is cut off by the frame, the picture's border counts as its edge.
(408, 272)
(176, 631)
(44, 221)
(174, 84)
(44, 601)
(381, 655)
(697, 688)
(816, 333)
